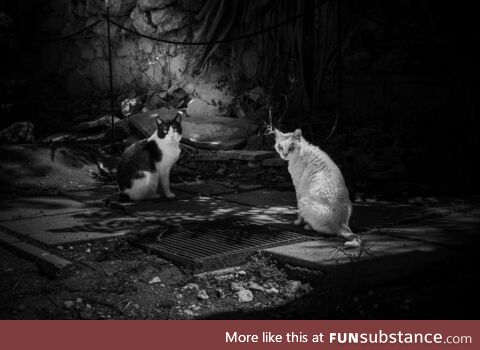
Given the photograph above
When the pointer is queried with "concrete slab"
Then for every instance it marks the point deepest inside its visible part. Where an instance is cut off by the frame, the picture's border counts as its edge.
(382, 259)
(253, 156)
(29, 207)
(75, 227)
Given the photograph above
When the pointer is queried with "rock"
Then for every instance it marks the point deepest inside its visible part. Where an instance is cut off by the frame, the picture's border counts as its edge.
(129, 106)
(121, 7)
(155, 280)
(79, 300)
(244, 296)
(202, 295)
(147, 5)
(306, 288)
(59, 247)
(86, 315)
(155, 102)
(255, 286)
(21, 132)
(236, 286)
(141, 23)
(188, 312)
(272, 290)
(168, 19)
(202, 108)
(88, 251)
(223, 278)
(190, 286)
(293, 287)
(242, 273)
(220, 293)
(68, 304)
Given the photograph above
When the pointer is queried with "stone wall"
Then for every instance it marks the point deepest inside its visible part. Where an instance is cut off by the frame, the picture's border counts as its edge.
(82, 61)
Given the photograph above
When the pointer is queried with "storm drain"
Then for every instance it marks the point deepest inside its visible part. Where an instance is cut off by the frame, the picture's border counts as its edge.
(215, 244)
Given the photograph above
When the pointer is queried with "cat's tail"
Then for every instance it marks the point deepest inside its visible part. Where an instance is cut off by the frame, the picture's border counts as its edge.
(352, 240)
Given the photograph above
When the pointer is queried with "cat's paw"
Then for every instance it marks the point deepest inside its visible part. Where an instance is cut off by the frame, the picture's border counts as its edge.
(307, 227)
(170, 195)
(298, 222)
(354, 243)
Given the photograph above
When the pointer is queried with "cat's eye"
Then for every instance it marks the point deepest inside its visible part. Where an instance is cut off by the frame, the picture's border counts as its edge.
(291, 148)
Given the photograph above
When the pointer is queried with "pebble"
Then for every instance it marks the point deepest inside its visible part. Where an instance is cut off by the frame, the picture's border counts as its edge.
(59, 247)
(191, 286)
(236, 286)
(188, 312)
(244, 296)
(272, 290)
(242, 273)
(155, 279)
(255, 286)
(79, 300)
(306, 288)
(202, 295)
(224, 277)
(68, 304)
(219, 293)
(293, 287)
(71, 247)
(88, 251)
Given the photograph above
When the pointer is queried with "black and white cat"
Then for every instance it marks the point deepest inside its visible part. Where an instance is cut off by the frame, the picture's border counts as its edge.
(147, 164)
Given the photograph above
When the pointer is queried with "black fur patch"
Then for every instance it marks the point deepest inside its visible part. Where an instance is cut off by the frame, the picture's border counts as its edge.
(136, 159)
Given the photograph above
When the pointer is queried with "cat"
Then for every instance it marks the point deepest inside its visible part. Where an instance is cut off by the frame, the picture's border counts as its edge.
(322, 196)
(147, 163)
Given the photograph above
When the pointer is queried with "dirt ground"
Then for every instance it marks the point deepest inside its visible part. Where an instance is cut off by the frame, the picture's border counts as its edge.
(116, 281)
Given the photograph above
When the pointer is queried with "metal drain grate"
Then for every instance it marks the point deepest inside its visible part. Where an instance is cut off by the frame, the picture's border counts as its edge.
(215, 244)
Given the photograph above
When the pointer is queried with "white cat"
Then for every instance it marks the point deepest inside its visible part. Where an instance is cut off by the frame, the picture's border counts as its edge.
(322, 196)
(147, 163)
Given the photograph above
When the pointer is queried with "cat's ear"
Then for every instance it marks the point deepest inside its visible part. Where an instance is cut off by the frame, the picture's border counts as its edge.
(178, 118)
(277, 132)
(159, 122)
(297, 134)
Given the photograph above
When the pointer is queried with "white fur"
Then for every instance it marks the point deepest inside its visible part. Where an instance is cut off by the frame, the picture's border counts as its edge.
(143, 188)
(322, 196)
(147, 186)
